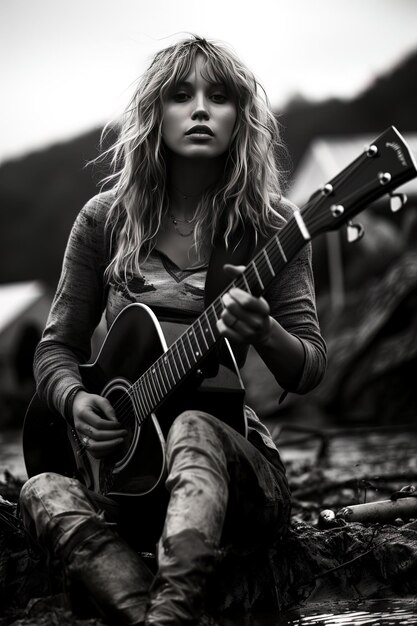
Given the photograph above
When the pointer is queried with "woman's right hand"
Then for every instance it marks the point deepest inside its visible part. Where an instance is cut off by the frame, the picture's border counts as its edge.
(95, 419)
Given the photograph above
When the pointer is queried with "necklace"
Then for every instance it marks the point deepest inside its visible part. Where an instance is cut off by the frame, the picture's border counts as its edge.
(175, 221)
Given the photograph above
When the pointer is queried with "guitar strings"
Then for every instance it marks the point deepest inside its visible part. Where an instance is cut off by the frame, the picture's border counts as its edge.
(126, 404)
(147, 380)
(259, 261)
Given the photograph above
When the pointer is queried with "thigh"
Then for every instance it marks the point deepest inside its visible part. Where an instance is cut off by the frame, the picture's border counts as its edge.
(258, 501)
(259, 505)
(48, 497)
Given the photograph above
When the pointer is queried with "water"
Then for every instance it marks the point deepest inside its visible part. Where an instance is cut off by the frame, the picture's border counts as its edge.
(359, 613)
(363, 613)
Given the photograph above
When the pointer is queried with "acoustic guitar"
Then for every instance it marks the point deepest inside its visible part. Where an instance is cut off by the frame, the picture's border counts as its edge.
(149, 379)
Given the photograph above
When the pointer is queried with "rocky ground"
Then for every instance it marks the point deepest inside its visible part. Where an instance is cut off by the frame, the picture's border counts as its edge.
(328, 468)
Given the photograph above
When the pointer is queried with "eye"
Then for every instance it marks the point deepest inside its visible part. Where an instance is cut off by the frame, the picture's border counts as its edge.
(219, 98)
(180, 96)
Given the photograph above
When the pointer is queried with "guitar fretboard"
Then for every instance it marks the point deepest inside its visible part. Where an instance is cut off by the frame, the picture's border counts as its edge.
(387, 163)
(186, 353)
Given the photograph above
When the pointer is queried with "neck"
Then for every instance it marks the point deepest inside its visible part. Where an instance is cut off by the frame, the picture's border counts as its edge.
(188, 179)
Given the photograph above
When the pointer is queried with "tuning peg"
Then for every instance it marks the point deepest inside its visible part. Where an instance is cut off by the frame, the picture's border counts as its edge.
(397, 201)
(354, 232)
(371, 151)
(327, 189)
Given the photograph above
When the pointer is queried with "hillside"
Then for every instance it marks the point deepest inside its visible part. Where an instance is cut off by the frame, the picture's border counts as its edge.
(41, 194)
(390, 100)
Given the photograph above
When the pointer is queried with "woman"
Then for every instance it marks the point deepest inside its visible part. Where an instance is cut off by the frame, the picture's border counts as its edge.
(194, 166)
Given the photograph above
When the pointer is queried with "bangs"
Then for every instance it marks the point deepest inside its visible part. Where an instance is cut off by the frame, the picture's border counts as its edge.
(250, 187)
(216, 72)
(218, 68)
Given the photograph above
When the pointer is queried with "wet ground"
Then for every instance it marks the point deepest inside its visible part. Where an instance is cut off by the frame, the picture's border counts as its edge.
(327, 468)
(331, 467)
(388, 455)
(363, 613)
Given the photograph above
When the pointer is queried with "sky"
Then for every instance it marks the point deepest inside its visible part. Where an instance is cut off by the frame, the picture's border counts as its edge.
(68, 66)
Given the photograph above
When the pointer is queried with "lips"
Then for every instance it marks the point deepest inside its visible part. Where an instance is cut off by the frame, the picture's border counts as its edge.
(200, 129)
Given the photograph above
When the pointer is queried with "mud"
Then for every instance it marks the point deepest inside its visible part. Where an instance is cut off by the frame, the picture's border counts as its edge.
(312, 567)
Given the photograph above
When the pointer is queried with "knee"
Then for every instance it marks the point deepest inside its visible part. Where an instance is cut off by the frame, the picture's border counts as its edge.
(40, 485)
(191, 421)
(196, 431)
(191, 427)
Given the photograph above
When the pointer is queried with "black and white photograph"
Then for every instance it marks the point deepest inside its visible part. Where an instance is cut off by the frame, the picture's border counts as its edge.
(208, 313)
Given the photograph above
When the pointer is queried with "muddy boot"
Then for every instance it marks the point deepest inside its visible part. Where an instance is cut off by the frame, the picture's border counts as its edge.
(186, 563)
(112, 575)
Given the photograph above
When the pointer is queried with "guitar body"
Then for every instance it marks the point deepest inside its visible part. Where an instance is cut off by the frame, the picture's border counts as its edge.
(133, 344)
(135, 368)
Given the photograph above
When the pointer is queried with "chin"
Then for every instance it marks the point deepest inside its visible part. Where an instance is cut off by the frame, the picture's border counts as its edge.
(196, 151)
(205, 152)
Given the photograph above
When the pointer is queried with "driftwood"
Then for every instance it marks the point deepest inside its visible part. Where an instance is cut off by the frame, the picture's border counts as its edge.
(341, 563)
(364, 481)
(346, 562)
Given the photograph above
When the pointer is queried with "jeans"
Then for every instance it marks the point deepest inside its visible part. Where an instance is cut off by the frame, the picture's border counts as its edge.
(219, 483)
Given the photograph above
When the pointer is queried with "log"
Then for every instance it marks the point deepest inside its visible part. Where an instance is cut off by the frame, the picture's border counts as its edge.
(380, 512)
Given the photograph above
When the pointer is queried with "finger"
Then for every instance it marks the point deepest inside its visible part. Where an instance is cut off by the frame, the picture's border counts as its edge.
(255, 318)
(101, 448)
(238, 333)
(246, 328)
(248, 302)
(243, 326)
(90, 419)
(233, 270)
(104, 407)
(249, 324)
(229, 318)
(102, 435)
(229, 333)
(236, 271)
(237, 330)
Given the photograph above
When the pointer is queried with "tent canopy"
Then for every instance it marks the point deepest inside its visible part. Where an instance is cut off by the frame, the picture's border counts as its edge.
(327, 156)
(16, 298)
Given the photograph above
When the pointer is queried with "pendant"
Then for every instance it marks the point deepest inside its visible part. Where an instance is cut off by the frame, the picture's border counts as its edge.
(174, 221)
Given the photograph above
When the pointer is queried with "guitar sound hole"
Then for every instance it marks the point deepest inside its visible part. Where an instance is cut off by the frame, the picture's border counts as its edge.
(125, 414)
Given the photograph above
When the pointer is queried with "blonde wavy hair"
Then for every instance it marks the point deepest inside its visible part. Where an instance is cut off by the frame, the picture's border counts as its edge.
(250, 189)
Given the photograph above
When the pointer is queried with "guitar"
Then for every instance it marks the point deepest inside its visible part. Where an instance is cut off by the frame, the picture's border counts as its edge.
(151, 384)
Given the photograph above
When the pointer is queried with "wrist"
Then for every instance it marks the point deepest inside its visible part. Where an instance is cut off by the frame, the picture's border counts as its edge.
(69, 402)
(266, 339)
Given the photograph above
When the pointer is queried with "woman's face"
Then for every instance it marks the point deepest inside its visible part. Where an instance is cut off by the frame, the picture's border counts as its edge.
(198, 117)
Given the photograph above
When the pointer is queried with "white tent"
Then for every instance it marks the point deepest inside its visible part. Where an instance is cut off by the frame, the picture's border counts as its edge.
(23, 306)
(327, 156)
(16, 299)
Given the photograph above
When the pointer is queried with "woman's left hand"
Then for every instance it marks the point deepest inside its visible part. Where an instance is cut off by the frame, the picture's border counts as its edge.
(245, 319)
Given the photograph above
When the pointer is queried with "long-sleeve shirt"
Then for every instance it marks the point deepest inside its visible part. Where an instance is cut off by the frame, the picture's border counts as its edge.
(82, 296)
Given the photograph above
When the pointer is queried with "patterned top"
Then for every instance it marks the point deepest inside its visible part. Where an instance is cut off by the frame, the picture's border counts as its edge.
(82, 296)
(162, 283)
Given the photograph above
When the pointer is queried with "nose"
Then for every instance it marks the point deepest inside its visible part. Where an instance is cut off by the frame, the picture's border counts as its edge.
(200, 111)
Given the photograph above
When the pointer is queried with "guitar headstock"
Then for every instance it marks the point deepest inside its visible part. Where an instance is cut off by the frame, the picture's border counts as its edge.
(384, 165)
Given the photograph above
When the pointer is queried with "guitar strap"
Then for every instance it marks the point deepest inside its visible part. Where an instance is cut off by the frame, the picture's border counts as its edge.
(243, 244)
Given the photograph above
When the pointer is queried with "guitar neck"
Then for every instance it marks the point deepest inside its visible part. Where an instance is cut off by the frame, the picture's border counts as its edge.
(385, 164)
(187, 352)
